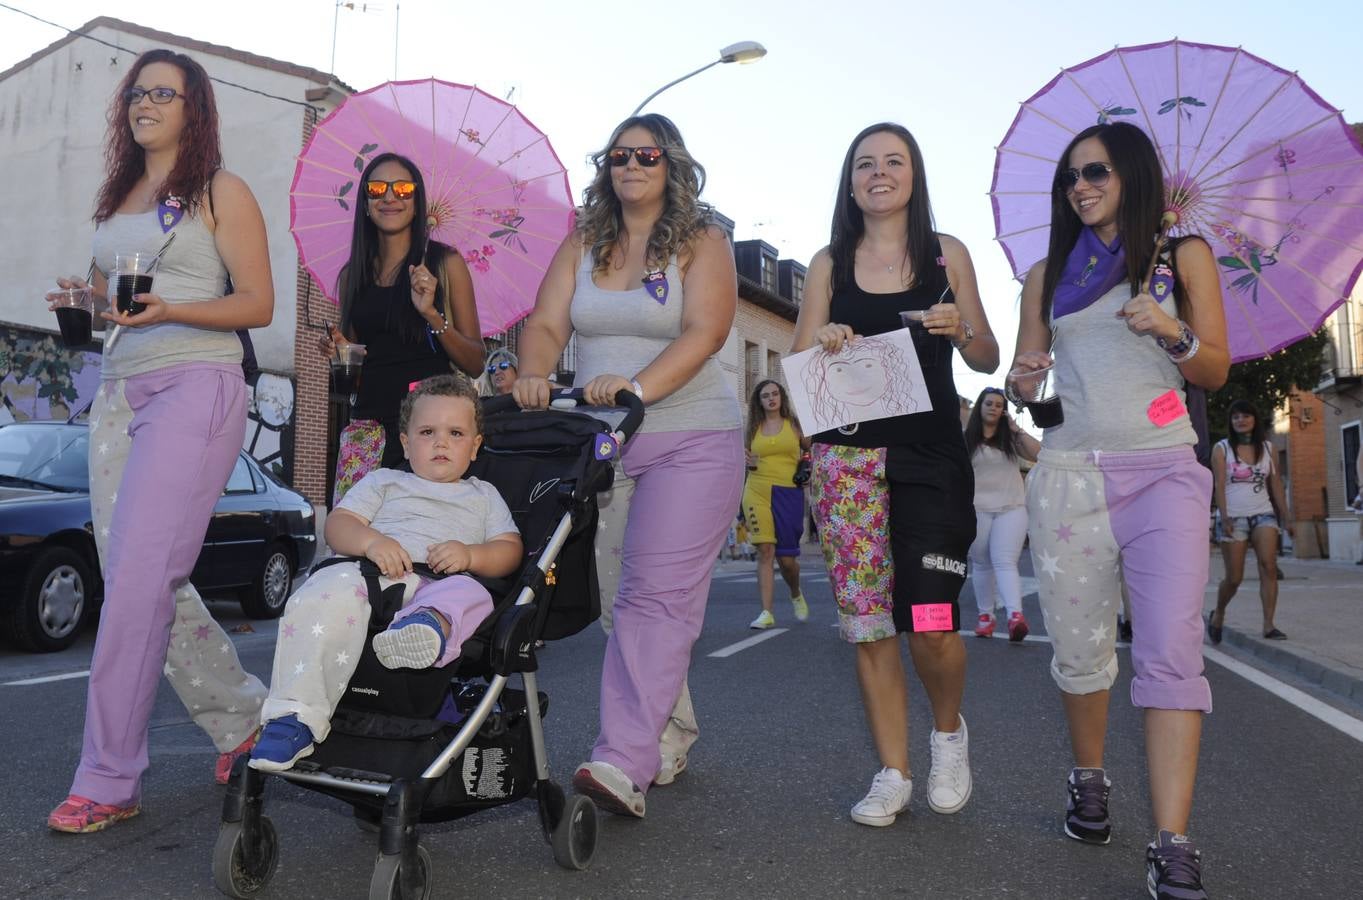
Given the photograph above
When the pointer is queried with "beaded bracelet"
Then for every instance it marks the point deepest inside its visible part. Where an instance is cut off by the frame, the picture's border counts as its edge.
(443, 328)
(1180, 346)
(1192, 351)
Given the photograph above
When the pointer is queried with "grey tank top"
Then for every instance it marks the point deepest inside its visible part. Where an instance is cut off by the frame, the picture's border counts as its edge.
(1107, 378)
(621, 332)
(191, 270)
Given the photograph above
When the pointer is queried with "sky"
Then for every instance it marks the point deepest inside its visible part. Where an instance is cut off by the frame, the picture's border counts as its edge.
(771, 134)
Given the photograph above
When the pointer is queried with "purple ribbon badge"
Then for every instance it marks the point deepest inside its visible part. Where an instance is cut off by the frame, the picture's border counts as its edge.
(606, 447)
(656, 284)
(169, 212)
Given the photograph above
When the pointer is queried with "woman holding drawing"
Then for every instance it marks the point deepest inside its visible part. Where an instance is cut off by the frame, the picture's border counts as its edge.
(894, 568)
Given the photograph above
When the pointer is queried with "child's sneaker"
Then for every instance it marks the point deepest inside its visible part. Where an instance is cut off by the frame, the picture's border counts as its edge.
(222, 769)
(81, 815)
(282, 743)
(801, 608)
(1173, 868)
(984, 627)
(763, 621)
(949, 782)
(610, 788)
(1017, 627)
(1086, 810)
(415, 642)
(888, 797)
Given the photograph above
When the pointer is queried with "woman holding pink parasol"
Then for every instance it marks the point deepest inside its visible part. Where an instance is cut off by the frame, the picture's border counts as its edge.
(1117, 493)
(409, 301)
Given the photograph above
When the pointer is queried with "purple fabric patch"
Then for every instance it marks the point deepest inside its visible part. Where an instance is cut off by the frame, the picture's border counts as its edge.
(1092, 269)
(169, 212)
(656, 285)
(606, 447)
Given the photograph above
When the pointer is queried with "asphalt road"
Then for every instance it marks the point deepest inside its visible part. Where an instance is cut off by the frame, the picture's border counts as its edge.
(762, 810)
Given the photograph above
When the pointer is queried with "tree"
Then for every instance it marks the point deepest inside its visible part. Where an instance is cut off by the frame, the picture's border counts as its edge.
(1267, 382)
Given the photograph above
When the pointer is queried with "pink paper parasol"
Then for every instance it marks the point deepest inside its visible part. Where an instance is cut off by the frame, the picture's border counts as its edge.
(1255, 162)
(496, 191)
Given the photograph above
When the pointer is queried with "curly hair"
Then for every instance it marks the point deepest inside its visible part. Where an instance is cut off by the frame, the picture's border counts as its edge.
(600, 223)
(200, 152)
(455, 384)
(828, 408)
(757, 412)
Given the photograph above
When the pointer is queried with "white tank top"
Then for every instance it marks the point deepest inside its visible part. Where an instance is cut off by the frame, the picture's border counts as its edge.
(998, 480)
(1247, 485)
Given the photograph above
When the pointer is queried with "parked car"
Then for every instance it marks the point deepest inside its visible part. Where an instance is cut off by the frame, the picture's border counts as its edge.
(261, 537)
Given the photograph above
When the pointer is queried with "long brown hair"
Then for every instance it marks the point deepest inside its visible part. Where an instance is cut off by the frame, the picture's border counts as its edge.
(1005, 438)
(200, 153)
(756, 412)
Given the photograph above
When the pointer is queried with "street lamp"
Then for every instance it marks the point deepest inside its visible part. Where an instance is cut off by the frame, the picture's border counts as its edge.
(742, 52)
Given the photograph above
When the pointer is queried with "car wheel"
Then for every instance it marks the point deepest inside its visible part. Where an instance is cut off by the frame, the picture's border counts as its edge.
(266, 597)
(53, 601)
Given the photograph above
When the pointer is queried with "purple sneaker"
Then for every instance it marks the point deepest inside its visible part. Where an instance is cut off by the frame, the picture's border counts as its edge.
(1173, 868)
(1086, 812)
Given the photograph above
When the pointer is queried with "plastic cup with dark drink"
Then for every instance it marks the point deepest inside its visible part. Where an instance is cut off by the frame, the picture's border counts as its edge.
(1035, 389)
(74, 308)
(346, 367)
(925, 342)
(132, 276)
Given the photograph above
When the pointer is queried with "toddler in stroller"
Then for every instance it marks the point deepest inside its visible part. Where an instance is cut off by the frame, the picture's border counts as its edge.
(409, 745)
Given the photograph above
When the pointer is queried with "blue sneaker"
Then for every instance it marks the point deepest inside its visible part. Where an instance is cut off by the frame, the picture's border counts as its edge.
(282, 743)
(415, 642)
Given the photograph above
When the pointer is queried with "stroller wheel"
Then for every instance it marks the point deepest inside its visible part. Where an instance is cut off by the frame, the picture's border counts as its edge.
(387, 881)
(574, 838)
(242, 867)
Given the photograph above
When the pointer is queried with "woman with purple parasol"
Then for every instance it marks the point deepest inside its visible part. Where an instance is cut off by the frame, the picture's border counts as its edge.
(1117, 492)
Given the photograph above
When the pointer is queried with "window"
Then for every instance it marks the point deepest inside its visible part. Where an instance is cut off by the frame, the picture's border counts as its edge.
(1350, 434)
(241, 481)
(769, 273)
(752, 372)
(797, 287)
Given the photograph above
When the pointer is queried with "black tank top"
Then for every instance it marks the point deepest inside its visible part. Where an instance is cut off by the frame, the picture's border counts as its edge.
(869, 314)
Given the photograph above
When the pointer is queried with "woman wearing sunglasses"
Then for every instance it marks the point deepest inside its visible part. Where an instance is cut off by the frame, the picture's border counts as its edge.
(893, 497)
(1118, 493)
(648, 286)
(166, 426)
(994, 443)
(499, 376)
(409, 300)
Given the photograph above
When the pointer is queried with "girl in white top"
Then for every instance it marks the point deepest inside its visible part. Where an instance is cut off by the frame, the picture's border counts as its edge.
(1249, 499)
(994, 443)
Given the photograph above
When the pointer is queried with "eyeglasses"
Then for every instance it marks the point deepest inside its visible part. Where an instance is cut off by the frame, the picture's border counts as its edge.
(377, 190)
(648, 157)
(503, 366)
(159, 95)
(1095, 173)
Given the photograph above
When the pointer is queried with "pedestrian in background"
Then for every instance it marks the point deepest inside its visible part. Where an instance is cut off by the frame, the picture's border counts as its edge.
(995, 444)
(773, 496)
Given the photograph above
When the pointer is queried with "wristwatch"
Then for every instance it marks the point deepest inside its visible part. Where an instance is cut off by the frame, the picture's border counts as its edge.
(969, 336)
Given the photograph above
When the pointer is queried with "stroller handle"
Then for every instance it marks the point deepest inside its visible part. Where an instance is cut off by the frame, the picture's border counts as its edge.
(627, 400)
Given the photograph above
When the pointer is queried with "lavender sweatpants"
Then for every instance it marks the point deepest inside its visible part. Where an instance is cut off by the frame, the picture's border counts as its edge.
(1098, 517)
(683, 492)
(162, 445)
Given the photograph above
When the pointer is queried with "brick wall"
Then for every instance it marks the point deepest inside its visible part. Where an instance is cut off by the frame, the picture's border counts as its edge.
(313, 312)
(1301, 430)
(771, 335)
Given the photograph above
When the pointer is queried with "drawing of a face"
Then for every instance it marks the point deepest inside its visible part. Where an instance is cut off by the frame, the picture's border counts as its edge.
(859, 381)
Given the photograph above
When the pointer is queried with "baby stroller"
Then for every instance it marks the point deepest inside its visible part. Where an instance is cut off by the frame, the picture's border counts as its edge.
(412, 746)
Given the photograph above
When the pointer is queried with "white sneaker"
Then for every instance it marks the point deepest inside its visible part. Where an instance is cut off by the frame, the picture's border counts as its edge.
(888, 797)
(610, 788)
(949, 781)
(673, 765)
(763, 621)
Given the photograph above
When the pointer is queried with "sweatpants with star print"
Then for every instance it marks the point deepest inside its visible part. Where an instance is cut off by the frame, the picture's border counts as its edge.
(162, 445)
(1098, 518)
(326, 624)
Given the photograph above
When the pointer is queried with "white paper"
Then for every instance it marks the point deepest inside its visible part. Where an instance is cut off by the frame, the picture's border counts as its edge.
(871, 378)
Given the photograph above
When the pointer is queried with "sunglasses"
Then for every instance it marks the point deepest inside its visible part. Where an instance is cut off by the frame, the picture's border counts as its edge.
(994, 390)
(502, 366)
(159, 95)
(377, 190)
(648, 157)
(1095, 173)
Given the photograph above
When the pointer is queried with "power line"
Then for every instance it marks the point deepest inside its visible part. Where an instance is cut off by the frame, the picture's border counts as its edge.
(225, 83)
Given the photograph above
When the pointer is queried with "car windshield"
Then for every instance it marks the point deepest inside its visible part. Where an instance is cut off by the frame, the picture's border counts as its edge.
(45, 456)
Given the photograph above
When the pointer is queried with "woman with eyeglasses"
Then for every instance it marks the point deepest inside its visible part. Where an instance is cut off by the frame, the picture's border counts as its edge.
(500, 374)
(995, 443)
(166, 427)
(894, 496)
(1117, 492)
(647, 284)
(409, 300)
(774, 497)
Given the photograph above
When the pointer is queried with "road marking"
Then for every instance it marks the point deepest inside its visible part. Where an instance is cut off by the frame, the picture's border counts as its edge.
(45, 679)
(1300, 699)
(744, 644)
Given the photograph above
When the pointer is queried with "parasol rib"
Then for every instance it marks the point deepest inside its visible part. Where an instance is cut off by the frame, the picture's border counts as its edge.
(1149, 125)
(1282, 86)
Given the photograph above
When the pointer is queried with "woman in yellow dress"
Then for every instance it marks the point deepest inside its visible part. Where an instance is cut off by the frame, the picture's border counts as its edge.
(773, 499)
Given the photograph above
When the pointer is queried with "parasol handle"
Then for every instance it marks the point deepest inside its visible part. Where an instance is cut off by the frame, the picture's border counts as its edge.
(1167, 221)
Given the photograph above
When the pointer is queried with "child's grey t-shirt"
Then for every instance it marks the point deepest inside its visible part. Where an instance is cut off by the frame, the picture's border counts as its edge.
(417, 513)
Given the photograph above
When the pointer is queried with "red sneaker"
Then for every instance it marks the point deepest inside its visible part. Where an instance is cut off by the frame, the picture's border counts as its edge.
(222, 770)
(985, 626)
(81, 815)
(1017, 627)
